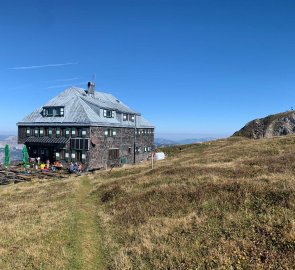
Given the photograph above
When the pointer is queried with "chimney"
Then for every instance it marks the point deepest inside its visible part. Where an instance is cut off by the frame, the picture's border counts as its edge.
(90, 89)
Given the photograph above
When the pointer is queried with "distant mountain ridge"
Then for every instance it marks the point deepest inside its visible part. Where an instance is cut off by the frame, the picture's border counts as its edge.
(15, 149)
(279, 124)
(166, 142)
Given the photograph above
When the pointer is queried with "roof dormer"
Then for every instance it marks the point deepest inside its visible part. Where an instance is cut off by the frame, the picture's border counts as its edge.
(57, 111)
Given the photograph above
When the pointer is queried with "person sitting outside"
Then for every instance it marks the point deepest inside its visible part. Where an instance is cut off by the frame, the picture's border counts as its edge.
(71, 167)
(42, 166)
(80, 168)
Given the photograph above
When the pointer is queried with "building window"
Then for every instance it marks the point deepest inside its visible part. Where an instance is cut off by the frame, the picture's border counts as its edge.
(57, 155)
(125, 117)
(67, 156)
(58, 133)
(129, 150)
(73, 132)
(131, 117)
(53, 111)
(113, 154)
(149, 149)
(80, 144)
(41, 132)
(109, 114)
(84, 133)
(28, 132)
(110, 132)
(36, 132)
(145, 149)
(67, 132)
(49, 132)
(83, 156)
(73, 155)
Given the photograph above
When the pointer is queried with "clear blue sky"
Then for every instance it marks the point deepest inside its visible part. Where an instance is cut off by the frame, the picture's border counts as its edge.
(191, 67)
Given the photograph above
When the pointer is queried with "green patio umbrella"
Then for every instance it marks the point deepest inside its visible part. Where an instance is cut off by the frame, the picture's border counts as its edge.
(25, 156)
(6, 159)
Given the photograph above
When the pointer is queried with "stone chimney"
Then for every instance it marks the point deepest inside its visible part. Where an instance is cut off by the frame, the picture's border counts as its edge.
(90, 89)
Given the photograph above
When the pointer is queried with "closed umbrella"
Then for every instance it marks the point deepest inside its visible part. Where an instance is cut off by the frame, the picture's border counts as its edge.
(6, 159)
(25, 156)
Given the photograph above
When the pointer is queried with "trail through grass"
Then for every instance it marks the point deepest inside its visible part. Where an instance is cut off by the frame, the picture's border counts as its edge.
(49, 225)
(88, 229)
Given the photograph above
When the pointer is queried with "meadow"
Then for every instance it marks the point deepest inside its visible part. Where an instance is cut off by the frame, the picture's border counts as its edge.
(225, 204)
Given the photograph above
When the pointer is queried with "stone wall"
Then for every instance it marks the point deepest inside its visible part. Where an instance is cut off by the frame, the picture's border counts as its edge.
(99, 145)
(123, 140)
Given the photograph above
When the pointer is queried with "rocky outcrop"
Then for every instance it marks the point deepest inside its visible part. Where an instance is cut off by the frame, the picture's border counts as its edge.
(273, 125)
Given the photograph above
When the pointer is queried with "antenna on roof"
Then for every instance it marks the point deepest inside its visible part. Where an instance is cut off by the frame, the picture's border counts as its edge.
(93, 78)
(90, 88)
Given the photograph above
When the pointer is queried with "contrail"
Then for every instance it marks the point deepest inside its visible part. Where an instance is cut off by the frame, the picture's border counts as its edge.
(65, 80)
(45, 66)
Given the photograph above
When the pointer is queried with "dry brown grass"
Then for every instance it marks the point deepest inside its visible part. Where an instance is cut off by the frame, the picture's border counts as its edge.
(49, 225)
(227, 204)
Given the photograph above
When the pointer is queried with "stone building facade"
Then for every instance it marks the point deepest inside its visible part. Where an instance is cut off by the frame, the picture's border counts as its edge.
(86, 126)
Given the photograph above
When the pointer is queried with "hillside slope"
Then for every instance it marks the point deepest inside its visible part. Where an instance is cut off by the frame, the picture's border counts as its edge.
(270, 126)
(226, 204)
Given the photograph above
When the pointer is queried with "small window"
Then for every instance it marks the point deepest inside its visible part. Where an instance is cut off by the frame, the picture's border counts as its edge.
(83, 156)
(67, 132)
(125, 117)
(84, 132)
(50, 132)
(145, 149)
(57, 155)
(149, 149)
(41, 132)
(108, 113)
(36, 132)
(73, 132)
(58, 132)
(73, 155)
(110, 132)
(28, 132)
(131, 117)
(129, 150)
(53, 111)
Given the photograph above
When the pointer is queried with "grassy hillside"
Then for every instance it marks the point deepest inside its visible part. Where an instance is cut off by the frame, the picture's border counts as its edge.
(227, 204)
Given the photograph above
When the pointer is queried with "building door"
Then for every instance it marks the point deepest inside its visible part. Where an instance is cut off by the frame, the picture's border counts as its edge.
(79, 156)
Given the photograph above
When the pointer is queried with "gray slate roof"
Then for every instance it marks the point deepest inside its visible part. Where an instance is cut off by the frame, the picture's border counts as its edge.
(81, 109)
